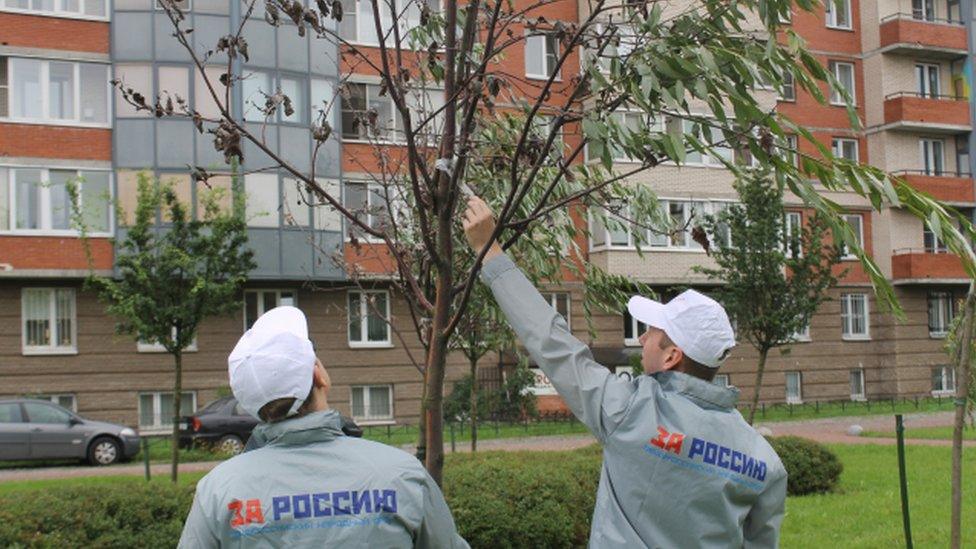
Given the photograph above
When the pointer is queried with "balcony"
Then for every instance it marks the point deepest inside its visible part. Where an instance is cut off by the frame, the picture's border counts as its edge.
(926, 266)
(912, 111)
(913, 34)
(952, 187)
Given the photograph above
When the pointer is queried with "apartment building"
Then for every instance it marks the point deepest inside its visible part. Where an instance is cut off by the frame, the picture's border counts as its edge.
(905, 63)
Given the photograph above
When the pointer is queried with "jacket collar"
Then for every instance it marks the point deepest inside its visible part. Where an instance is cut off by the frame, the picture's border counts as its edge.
(320, 426)
(705, 393)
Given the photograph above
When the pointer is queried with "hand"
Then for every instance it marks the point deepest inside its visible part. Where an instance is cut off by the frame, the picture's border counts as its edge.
(479, 224)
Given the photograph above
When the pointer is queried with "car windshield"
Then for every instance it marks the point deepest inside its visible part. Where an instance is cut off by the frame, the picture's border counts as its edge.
(213, 406)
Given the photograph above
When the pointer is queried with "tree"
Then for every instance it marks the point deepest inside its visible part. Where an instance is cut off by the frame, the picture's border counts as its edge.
(774, 278)
(170, 277)
(462, 122)
(961, 350)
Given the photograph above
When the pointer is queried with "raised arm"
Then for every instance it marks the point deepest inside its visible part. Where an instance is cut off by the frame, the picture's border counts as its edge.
(595, 395)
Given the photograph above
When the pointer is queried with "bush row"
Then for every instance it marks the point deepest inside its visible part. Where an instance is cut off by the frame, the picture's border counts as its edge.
(499, 500)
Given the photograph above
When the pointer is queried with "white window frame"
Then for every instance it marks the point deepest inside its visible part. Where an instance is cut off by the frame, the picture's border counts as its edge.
(626, 38)
(60, 11)
(847, 318)
(947, 375)
(793, 152)
(684, 125)
(369, 419)
(553, 299)
(945, 311)
(792, 221)
(788, 93)
(802, 335)
(797, 398)
(859, 226)
(932, 163)
(830, 13)
(932, 243)
(722, 380)
(50, 349)
(837, 145)
(45, 84)
(261, 305)
(835, 96)
(45, 198)
(547, 40)
(144, 347)
(54, 399)
(363, 342)
(923, 79)
(635, 330)
(408, 20)
(394, 134)
(371, 187)
(707, 207)
(857, 374)
(158, 424)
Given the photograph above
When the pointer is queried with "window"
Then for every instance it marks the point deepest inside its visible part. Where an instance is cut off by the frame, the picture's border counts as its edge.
(356, 102)
(927, 80)
(838, 14)
(258, 302)
(941, 312)
(857, 384)
(65, 401)
(10, 413)
(154, 347)
(55, 92)
(156, 409)
(788, 91)
(624, 42)
(633, 329)
(933, 244)
(793, 234)
(541, 55)
(722, 380)
(933, 156)
(631, 123)
(684, 216)
(803, 334)
(372, 403)
(358, 26)
(48, 321)
(794, 388)
(857, 226)
(256, 86)
(45, 413)
(368, 201)
(943, 380)
(263, 199)
(37, 199)
(560, 302)
(368, 311)
(708, 134)
(95, 9)
(923, 10)
(844, 73)
(854, 316)
(844, 148)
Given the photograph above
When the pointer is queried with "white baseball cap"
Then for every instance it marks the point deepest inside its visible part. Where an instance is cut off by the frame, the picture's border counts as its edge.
(696, 323)
(272, 360)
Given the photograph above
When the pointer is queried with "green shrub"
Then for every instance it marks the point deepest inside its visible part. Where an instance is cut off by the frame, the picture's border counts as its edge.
(523, 499)
(128, 514)
(811, 467)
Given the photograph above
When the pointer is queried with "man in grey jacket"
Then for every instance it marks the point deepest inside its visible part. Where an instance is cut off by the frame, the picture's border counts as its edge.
(681, 468)
(309, 485)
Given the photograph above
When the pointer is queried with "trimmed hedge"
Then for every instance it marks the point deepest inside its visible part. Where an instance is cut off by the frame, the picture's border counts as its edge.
(812, 468)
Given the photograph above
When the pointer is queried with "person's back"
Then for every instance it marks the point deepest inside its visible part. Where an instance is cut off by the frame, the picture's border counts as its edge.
(312, 486)
(681, 438)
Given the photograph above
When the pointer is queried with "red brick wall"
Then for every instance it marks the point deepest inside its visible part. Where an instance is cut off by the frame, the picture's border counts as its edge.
(932, 111)
(53, 252)
(35, 31)
(919, 32)
(43, 141)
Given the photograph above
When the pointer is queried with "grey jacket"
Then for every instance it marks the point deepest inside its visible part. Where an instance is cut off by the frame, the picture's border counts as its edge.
(311, 486)
(681, 468)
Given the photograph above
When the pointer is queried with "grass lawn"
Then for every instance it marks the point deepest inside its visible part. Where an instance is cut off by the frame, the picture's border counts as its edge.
(938, 433)
(866, 511)
(398, 435)
(22, 486)
(815, 410)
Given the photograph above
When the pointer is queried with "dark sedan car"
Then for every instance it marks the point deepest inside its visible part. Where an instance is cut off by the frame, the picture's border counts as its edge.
(224, 425)
(37, 429)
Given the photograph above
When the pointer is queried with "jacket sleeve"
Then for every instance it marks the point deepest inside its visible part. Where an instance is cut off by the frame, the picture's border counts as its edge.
(198, 532)
(595, 395)
(437, 528)
(762, 524)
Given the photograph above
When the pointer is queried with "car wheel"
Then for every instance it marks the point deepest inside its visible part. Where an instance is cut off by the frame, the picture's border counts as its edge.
(230, 444)
(104, 451)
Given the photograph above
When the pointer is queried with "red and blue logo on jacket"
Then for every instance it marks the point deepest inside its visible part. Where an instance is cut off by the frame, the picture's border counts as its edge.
(339, 509)
(707, 457)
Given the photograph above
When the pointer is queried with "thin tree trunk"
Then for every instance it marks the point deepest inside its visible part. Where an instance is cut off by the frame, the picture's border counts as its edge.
(963, 373)
(760, 370)
(474, 405)
(436, 362)
(421, 453)
(177, 390)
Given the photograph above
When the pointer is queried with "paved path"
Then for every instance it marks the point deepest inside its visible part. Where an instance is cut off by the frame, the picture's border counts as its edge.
(828, 430)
